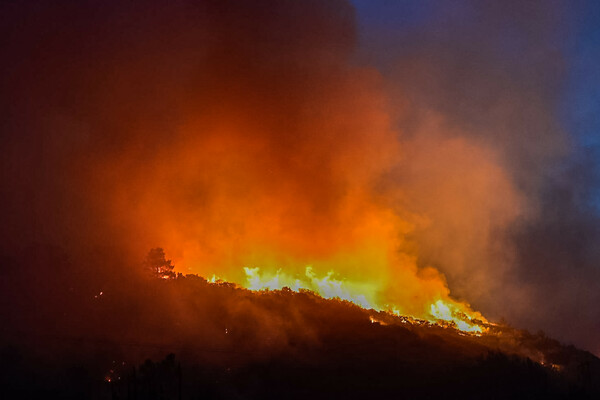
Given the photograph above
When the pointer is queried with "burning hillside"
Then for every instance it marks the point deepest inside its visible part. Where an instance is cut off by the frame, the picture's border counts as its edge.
(366, 197)
(230, 342)
(365, 295)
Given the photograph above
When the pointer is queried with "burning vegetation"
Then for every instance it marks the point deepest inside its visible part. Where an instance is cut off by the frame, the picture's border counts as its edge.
(232, 342)
(350, 229)
(364, 295)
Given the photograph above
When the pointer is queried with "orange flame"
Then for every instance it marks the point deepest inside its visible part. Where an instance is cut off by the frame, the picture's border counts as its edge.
(444, 310)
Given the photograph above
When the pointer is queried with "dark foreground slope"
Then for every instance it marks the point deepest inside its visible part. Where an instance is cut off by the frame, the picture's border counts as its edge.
(69, 334)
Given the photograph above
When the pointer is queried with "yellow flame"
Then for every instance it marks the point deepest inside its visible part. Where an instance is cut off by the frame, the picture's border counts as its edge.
(327, 287)
(449, 312)
(443, 311)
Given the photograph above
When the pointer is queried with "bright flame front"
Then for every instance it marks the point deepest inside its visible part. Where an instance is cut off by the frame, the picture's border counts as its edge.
(444, 311)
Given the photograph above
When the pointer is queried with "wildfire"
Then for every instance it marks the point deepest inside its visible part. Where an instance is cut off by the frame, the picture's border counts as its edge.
(444, 311)
(327, 287)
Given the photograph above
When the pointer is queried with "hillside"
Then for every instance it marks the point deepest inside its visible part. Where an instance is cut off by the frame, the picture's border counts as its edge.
(62, 340)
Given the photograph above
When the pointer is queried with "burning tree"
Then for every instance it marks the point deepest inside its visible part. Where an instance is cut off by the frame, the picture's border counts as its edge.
(158, 265)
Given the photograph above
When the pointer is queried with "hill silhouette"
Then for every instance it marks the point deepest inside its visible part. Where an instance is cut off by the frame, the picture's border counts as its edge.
(72, 330)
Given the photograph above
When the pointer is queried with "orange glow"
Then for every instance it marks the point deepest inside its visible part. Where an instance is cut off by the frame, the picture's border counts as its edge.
(313, 208)
(298, 182)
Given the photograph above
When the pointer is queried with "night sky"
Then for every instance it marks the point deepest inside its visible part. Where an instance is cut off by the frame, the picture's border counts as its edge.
(579, 28)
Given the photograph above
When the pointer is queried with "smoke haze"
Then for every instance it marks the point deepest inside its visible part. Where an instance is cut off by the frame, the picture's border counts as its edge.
(262, 134)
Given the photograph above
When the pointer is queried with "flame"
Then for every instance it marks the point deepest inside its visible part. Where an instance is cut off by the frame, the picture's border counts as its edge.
(454, 313)
(327, 287)
(443, 311)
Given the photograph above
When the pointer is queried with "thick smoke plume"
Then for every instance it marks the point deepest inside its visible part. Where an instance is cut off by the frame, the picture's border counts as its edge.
(241, 133)
(493, 75)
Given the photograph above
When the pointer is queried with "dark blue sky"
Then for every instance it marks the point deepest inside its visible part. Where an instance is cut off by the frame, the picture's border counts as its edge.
(578, 41)
(581, 105)
(582, 98)
(581, 48)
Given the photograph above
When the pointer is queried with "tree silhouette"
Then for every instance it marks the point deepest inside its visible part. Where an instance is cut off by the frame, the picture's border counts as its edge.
(158, 265)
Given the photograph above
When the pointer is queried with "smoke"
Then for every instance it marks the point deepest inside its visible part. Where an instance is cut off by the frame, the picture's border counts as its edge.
(494, 76)
(247, 134)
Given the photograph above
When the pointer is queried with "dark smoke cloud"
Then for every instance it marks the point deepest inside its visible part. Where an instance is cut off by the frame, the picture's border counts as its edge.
(120, 120)
(495, 74)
